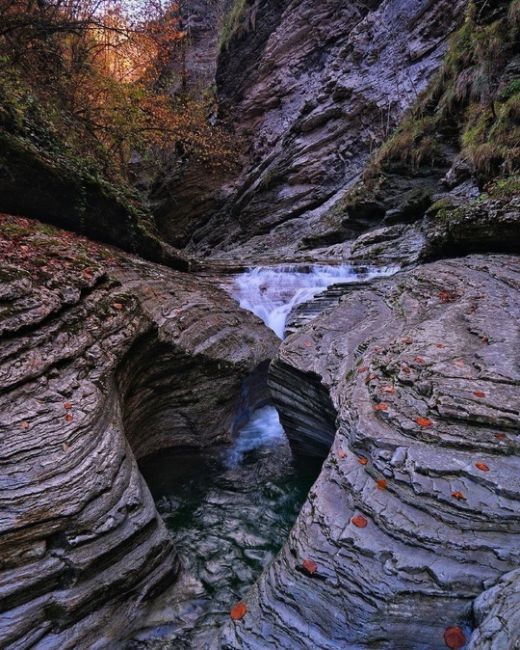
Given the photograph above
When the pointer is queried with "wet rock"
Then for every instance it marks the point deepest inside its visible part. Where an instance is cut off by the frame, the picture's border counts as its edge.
(83, 551)
(425, 395)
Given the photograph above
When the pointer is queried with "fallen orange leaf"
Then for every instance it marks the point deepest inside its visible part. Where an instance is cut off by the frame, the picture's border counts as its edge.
(424, 422)
(342, 453)
(479, 393)
(238, 611)
(454, 637)
(382, 483)
(482, 467)
(69, 417)
(500, 436)
(67, 405)
(362, 460)
(389, 389)
(458, 495)
(309, 566)
(359, 521)
(381, 407)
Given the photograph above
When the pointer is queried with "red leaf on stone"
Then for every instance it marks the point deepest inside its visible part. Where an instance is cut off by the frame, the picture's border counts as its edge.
(67, 405)
(482, 467)
(381, 407)
(500, 436)
(424, 422)
(389, 389)
(370, 378)
(362, 460)
(479, 393)
(406, 370)
(310, 567)
(24, 424)
(382, 483)
(359, 521)
(440, 345)
(458, 495)
(484, 339)
(238, 611)
(454, 637)
(447, 296)
(69, 417)
(342, 453)
(420, 360)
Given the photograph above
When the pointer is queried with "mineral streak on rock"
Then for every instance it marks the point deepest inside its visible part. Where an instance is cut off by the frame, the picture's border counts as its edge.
(82, 548)
(423, 344)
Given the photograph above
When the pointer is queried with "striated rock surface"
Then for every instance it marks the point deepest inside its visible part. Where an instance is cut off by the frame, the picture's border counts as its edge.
(96, 349)
(314, 87)
(416, 510)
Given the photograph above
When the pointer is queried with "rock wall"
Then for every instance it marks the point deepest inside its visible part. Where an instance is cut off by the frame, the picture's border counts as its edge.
(415, 512)
(83, 551)
(314, 87)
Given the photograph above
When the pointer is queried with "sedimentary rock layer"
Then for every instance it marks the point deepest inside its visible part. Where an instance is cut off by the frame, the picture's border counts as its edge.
(314, 87)
(417, 508)
(82, 548)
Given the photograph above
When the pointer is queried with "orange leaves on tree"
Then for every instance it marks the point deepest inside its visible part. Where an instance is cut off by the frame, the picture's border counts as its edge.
(382, 483)
(482, 467)
(362, 460)
(238, 611)
(454, 637)
(381, 407)
(309, 567)
(479, 393)
(458, 495)
(359, 521)
(423, 422)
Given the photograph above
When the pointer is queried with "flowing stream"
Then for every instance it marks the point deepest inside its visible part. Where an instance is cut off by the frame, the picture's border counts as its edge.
(231, 509)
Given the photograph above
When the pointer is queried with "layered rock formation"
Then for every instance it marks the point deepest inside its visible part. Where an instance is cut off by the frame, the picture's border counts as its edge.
(416, 510)
(95, 346)
(314, 87)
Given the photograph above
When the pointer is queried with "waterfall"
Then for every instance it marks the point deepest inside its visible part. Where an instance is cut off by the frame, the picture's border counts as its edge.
(273, 292)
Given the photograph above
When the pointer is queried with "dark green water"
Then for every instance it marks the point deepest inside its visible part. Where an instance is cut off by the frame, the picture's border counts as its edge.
(229, 513)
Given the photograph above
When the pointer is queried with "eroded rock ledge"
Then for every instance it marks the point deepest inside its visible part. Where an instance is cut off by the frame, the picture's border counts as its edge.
(416, 511)
(83, 330)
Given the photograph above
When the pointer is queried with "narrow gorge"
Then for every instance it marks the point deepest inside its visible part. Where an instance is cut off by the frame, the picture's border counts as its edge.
(259, 325)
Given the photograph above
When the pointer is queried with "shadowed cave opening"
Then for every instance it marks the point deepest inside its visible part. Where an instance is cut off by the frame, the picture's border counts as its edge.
(229, 488)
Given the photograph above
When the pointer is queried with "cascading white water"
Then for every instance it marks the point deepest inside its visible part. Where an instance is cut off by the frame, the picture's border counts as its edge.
(262, 430)
(273, 292)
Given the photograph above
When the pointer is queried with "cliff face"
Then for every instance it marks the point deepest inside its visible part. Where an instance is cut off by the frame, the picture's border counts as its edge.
(313, 88)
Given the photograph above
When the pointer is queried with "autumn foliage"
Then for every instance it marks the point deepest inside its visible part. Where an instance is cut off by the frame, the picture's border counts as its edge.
(98, 75)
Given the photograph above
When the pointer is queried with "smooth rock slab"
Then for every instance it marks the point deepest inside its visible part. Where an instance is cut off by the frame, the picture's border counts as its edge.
(417, 508)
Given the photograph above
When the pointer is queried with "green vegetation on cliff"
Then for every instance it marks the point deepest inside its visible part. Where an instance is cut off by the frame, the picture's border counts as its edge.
(473, 104)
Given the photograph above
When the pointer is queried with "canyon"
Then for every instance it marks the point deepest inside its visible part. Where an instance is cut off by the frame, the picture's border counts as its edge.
(144, 364)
